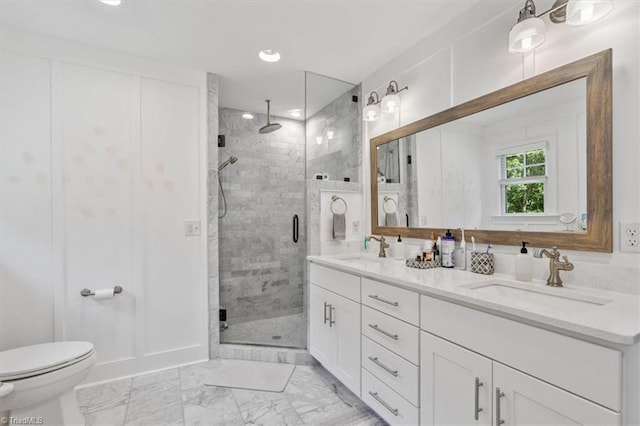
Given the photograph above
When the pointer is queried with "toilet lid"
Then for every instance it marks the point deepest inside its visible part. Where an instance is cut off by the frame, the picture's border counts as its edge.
(36, 359)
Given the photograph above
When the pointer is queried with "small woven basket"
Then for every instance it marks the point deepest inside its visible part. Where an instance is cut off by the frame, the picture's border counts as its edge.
(482, 263)
(419, 264)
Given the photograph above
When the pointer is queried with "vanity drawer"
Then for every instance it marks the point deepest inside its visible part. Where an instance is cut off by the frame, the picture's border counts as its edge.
(339, 282)
(397, 302)
(386, 402)
(391, 369)
(586, 369)
(393, 334)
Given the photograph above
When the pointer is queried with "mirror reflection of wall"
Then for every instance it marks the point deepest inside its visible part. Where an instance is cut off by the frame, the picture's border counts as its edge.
(519, 166)
(333, 128)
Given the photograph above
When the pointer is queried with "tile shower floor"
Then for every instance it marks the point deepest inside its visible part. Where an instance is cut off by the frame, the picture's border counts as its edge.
(179, 397)
(284, 331)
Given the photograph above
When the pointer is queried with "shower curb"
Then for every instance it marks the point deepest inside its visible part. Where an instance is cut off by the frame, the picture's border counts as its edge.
(266, 354)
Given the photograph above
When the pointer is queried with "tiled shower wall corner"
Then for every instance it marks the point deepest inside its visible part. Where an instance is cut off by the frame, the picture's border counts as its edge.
(261, 268)
(342, 156)
(212, 208)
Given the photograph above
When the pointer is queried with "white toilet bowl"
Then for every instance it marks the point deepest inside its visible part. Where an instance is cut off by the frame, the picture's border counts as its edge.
(39, 381)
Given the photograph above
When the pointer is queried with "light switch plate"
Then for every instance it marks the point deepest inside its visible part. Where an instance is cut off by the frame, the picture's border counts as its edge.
(192, 228)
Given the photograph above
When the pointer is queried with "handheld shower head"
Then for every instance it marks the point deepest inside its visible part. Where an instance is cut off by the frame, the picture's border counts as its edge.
(230, 160)
(269, 127)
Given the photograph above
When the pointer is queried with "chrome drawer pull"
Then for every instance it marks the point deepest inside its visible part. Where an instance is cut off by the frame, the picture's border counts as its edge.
(394, 373)
(386, 333)
(332, 310)
(380, 299)
(477, 410)
(375, 396)
(325, 312)
(499, 394)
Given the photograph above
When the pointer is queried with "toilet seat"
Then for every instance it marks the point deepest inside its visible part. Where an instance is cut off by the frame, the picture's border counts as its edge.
(29, 361)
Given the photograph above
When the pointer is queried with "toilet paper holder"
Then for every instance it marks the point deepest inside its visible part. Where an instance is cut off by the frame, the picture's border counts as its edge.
(86, 292)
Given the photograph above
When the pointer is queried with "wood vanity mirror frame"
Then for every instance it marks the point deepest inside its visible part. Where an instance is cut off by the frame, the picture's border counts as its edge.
(599, 235)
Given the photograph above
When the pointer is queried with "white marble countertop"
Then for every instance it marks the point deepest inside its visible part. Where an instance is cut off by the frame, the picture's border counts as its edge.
(578, 311)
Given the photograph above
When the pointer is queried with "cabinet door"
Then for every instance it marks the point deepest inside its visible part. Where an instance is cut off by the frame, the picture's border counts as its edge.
(345, 317)
(524, 400)
(322, 343)
(455, 384)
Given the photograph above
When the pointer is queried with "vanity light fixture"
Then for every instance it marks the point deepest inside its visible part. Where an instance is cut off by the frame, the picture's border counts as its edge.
(296, 113)
(111, 2)
(529, 32)
(372, 111)
(391, 100)
(269, 55)
(319, 140)
(247, 116)
(330, 132)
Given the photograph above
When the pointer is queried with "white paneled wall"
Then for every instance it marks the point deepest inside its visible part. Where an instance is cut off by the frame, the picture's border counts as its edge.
(103, 161)
(25, 201)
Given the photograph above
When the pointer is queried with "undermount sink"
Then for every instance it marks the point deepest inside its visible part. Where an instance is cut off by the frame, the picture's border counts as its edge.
(549, 297)
(362, 261)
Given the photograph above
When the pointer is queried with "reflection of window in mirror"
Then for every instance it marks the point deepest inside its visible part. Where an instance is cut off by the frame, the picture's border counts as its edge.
(527, 178)
(524, 176)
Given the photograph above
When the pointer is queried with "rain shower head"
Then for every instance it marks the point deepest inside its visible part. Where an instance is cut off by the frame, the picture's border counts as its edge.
(230, 160)
(269, 127)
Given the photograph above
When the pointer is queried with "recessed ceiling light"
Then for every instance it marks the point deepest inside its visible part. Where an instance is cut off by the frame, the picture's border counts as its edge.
(297, 113)
(111, 2)
(269, 55)
(247, 116)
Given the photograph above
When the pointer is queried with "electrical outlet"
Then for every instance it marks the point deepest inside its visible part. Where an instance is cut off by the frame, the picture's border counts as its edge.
(192, 228)
(630, 237)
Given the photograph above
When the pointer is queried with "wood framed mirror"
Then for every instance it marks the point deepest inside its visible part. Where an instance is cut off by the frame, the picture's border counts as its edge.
(508, 192)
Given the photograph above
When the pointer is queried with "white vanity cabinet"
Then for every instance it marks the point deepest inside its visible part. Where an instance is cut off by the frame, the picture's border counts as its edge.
(464, 388)
(334, 323)
(567, 381)
(417, 357)
(390, 351)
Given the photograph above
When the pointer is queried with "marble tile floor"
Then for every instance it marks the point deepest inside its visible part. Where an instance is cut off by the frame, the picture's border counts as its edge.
(179, 397)
(288, 330)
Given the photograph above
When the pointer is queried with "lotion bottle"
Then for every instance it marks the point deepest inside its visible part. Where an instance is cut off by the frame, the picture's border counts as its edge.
(447, 249)
(524, 264)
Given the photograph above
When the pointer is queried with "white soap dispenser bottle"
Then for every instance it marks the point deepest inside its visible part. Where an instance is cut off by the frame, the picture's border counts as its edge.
(524, 264)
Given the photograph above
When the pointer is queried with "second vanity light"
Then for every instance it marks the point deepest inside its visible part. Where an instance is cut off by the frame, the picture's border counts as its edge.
(390, 103)
(529, 32)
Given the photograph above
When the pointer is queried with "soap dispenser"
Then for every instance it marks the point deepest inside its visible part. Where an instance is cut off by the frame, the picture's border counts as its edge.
(447, 249)
(399, 249)
(524, 264)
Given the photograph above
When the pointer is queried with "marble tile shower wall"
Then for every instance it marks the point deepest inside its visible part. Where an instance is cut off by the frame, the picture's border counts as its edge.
(341, 156)
(261, 268)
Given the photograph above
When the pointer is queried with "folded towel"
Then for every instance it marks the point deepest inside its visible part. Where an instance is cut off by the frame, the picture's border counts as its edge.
(339, 226)
(390, 219)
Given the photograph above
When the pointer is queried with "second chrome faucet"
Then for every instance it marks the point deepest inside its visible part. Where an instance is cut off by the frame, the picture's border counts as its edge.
(383, 244)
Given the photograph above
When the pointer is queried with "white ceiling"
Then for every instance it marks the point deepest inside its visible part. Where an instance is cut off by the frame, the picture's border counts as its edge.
(346, 39)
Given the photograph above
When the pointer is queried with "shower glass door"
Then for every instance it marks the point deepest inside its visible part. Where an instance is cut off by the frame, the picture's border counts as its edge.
(262, 202)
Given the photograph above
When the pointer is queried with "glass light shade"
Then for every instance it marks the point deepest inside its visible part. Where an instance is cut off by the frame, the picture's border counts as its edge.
(526, 35)
(319, 140)
(391, 103)
(371, 112)
(331, 133)
(269, 55)
(580, 12)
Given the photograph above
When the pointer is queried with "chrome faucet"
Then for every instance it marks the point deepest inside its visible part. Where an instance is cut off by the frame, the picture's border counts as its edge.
(383, 244)
(555, 266)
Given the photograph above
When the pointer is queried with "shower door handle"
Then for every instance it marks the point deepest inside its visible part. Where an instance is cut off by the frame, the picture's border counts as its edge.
(296, 226)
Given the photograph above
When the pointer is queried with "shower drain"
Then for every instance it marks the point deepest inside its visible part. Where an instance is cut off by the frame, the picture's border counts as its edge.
(276, 337)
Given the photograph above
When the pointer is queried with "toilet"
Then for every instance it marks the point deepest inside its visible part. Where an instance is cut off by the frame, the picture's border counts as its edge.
(38, 381)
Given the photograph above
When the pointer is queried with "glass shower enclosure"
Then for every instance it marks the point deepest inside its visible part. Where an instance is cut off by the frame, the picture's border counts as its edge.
(262, 205)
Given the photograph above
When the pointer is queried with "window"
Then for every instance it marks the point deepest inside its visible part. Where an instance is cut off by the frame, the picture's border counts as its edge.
(523, 181)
